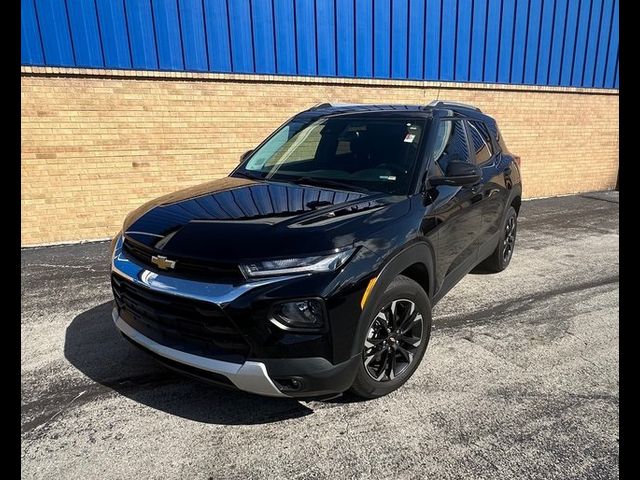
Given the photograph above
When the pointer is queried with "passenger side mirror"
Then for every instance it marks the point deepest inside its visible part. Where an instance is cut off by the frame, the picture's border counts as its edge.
(458, 174)
(244, 156)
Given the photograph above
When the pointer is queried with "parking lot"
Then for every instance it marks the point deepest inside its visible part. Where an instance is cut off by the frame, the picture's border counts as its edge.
(520, 379)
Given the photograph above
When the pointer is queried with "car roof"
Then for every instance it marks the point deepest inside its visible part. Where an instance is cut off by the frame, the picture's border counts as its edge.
(444, 107)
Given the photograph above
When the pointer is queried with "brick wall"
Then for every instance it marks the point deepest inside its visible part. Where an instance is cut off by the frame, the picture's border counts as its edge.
(96, 144)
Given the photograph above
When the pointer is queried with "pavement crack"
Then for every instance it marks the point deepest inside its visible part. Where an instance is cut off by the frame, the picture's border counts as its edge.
(75, 267)
(42, 425)
(519, 305)
(600, 199)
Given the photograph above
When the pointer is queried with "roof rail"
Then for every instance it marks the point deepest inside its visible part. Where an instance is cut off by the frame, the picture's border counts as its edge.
(447, 103)
(334, 105)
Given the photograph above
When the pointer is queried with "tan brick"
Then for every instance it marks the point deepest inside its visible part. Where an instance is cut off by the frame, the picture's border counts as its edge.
(93, 148)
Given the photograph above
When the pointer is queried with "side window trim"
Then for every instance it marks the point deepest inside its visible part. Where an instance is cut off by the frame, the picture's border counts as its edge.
(470, 149)
(495, 139)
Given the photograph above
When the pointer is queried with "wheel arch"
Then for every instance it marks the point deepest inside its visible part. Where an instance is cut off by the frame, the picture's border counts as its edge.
(416, 262)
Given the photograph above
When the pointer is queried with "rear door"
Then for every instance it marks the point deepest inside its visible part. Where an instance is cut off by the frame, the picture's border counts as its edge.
(493, 190)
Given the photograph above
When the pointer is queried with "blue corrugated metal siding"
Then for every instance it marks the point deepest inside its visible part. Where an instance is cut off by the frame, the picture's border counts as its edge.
(542, 42)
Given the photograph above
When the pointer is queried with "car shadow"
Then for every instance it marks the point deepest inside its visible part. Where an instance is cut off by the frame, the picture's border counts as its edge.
(94, 346)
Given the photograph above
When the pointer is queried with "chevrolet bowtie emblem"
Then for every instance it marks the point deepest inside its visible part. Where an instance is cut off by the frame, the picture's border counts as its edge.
(163, 262)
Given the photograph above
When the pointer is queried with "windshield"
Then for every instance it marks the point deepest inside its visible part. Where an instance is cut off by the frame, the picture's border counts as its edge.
(346, 152)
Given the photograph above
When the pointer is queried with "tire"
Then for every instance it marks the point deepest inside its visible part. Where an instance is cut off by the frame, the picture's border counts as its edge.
(379, 347)
(499, 260)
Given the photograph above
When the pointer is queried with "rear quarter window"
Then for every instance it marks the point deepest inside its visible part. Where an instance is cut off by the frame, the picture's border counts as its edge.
(497, 136)
(481, 141)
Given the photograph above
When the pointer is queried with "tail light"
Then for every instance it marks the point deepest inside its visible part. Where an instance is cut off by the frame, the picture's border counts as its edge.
(516, 158)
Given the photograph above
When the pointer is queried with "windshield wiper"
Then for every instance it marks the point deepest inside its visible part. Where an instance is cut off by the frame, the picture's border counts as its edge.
(325, 182)
(249, 176)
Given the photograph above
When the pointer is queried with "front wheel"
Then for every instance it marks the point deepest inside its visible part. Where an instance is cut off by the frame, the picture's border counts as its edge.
(395, 340)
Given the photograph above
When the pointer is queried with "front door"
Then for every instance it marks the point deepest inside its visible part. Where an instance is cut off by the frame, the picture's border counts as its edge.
(458, 210)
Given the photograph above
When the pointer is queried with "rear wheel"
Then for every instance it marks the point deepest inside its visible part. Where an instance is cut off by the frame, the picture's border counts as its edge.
(501, 256)
(395, 340)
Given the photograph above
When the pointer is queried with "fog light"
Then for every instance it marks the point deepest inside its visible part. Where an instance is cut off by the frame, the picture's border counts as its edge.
(299, 315)
(291, 384)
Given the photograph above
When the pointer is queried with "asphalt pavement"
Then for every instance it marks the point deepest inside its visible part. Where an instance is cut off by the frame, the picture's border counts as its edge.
(520, 379)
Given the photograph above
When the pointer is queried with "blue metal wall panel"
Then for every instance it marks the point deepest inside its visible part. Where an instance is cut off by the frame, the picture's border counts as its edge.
(494, 20)
(30, 43)
(399, 22)
(432, 40)
(83, 21)
(141, 34)
(113, 30)
(263, 36)
(463, 40)
(603, 43)
(611, 66)
(557, 42)
(216, 20)
(543, 42)
(345, 22)
(326, 31)
(580, 50)
(382, 39)
(54, 31)
(570, 35)
(241, 35)
(415, 54)
(478, 33)
(546, 35)
(192, 31)
(519, 41)
(505, 46)
(167, 33)
(285, 28)
(532, 48)
(364, 38)
(448, 39)
(306, 36)
(591, 50)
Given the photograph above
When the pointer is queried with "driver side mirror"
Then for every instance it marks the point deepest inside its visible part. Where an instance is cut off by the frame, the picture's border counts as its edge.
(458, 174)
(244, 156)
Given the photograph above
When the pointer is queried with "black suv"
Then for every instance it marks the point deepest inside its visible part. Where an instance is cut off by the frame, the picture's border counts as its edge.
(313, 267)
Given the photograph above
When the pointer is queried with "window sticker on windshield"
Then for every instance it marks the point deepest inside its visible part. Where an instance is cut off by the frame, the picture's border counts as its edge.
(409, 138)
(387, 177)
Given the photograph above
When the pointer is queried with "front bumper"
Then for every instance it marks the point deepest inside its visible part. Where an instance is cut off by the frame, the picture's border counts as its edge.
(318, 376)
(259, 374)
(249, 376)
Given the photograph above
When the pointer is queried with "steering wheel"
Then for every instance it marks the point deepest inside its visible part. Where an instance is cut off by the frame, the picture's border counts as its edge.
(395, 169)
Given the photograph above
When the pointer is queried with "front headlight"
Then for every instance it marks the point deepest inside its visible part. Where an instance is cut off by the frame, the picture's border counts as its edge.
(286, 266)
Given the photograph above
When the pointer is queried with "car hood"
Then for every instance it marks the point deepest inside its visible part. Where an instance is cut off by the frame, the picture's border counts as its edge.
(234, 218)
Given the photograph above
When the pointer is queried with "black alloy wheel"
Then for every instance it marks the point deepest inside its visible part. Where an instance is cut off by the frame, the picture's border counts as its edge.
(509, 242)
(503, 252)
(394, 337)
(392, 340)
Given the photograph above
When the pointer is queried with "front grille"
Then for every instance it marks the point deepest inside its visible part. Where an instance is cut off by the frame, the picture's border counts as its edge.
(186, 268)
(191, 326)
